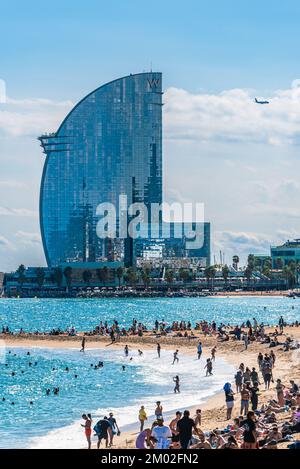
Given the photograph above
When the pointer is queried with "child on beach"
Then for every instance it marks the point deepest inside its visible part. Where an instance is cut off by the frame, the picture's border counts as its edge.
(208, 367)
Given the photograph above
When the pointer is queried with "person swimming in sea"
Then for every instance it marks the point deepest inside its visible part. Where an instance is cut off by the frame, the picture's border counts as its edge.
(140, 352)
(177, 384)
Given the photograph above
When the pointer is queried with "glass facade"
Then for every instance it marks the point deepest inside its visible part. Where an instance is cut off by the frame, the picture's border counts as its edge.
(110, 145)
(178, 244)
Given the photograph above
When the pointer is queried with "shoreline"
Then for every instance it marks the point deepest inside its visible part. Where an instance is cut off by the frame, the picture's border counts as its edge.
(157, 294)
(213, 408)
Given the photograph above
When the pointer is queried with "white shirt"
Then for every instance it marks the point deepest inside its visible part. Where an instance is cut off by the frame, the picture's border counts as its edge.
(161, 434)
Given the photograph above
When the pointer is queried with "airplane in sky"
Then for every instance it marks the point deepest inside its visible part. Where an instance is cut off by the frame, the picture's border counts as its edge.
(261, 102)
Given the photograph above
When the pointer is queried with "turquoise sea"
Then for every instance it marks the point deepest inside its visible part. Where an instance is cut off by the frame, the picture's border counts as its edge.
(85, 314)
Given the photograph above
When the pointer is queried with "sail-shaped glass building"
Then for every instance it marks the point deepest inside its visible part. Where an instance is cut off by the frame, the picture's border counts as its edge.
(109, 145)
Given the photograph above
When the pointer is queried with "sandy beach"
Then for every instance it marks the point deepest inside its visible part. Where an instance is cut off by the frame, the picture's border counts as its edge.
(213, 410)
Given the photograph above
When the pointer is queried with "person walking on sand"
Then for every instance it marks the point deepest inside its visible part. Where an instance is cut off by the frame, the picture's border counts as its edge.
(199, 350)
(83, 344)
(87, 428)
(208, 367)
(177, 384)
(142, 417)
(185, 427)
(158, 348)
(175, 357)
(115, 430)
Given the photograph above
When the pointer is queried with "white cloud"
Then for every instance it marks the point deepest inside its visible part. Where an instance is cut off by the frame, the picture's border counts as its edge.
(21, 212)
(11, 184)
(28, 239)
(6, 244)
(232, 116)
(32, 116)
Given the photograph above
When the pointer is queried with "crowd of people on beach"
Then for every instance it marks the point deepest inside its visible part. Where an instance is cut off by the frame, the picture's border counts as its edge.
(258, 425)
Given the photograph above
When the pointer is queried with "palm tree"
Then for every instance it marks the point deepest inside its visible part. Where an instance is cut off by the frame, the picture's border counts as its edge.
(279, 263)
(58, 276)
(235, 262)
(131, 276)
(68, 276)
(86, 276)
(210, 273)
(21, 274)
(169, 276)
(119, 273)
(146, 276)
(248, 274)
(184, 275)
(251, 261)
(225, 273)
(40, 276)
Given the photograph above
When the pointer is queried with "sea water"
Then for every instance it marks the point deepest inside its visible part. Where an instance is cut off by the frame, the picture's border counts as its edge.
(85, 314)
(54, 421)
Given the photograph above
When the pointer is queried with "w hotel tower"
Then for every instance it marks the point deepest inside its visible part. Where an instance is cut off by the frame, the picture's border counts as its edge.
(109, 145)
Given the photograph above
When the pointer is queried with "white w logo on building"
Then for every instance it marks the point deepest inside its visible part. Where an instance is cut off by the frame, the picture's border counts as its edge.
(153, 82)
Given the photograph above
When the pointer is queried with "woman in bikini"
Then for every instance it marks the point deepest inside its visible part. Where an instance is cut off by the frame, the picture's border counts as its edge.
(88, 428)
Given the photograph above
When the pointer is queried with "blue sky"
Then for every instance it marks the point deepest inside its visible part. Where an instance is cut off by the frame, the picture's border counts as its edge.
(64, 48)
(215, 57)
